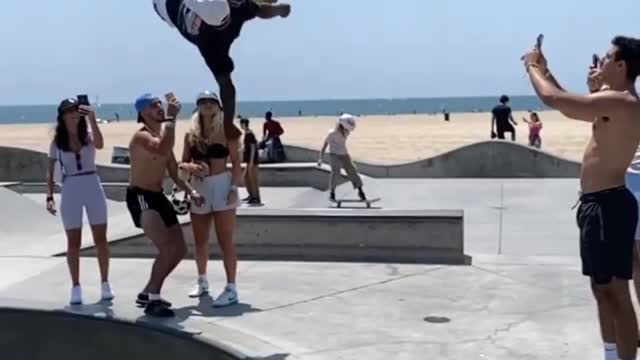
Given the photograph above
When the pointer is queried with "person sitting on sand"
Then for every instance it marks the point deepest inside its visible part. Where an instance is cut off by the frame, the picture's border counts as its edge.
(535, 126)
(77, 136)
(339, 156)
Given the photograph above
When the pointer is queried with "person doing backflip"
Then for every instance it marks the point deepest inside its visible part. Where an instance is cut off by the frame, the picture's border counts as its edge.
(212, 26)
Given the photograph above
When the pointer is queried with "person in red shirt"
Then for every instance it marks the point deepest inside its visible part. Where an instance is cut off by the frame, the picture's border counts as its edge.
(271, 132)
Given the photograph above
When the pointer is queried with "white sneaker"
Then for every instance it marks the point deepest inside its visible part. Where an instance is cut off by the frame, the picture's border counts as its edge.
(229, 296)
(201, 288)
(76, 295)
(107, 293)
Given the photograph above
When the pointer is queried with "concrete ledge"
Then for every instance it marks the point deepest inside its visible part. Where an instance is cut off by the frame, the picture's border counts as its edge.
(56, 335)
(390, 236)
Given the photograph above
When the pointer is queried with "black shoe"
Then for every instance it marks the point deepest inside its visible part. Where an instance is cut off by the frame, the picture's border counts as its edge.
(158, 309)
(143, 299)
(248, 198)
(361, 195)
(254, 201)
(332, 196)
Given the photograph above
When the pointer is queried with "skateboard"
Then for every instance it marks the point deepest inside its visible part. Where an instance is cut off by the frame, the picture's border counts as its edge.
(368, 201)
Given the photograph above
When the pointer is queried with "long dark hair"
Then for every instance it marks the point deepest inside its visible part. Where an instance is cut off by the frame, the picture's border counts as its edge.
(61, 137)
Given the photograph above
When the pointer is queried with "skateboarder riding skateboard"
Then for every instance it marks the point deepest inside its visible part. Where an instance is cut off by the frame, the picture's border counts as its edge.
(336, 140)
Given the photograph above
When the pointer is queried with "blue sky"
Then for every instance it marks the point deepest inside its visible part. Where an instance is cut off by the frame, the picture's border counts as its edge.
(327, 49)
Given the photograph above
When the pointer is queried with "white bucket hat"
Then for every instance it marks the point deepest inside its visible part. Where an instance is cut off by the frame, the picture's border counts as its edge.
(347, 121)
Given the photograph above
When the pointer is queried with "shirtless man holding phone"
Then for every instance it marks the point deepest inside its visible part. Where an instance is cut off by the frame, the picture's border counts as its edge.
(151, 152)
(608, 211)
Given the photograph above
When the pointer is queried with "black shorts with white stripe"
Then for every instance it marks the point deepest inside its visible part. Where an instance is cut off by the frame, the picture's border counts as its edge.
(140, 200)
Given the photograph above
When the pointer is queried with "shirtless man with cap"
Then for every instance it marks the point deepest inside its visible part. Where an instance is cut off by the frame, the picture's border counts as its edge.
(608, 211)
(151, 152)
(212, 26)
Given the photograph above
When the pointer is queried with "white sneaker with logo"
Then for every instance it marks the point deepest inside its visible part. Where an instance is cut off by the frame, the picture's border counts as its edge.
(229, 296)
(76, 295)
(201, 287)
(107, 293)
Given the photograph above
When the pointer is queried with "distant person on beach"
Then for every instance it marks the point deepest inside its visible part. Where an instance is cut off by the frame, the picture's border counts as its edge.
(608, 211)
(336, 141)
(74, 149)
(251, 159)
(204, 156)
(535, 127)
(212, 26)
(502, 120)
(271, 142)
(151, 152)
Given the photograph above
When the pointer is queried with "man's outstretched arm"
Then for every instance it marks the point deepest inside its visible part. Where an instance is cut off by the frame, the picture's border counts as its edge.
(228, 98)
(574, 106)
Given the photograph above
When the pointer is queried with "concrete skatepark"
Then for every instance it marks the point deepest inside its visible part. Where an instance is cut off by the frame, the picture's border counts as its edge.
(494, 272)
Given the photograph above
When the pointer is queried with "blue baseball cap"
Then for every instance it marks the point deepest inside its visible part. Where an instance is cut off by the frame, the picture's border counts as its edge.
(145, 100)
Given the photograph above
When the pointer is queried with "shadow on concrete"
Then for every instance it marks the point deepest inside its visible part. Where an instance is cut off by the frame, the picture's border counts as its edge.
(272, 357)
(205, 308)
(101, 309)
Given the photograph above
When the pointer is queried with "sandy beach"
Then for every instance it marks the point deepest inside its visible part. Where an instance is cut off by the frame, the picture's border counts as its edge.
(387, 139)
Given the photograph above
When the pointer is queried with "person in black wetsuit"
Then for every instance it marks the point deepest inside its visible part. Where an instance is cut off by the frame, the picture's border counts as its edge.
(502, 120)
(212, 26)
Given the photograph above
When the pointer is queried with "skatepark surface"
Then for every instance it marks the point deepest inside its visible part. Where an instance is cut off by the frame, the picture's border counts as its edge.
(523, 297)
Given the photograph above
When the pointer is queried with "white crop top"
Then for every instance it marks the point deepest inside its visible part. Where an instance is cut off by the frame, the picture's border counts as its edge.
(72, 164)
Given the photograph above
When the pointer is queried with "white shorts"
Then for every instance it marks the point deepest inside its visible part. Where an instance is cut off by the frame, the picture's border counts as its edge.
(82, 192)
(215, 190)
(633, 184)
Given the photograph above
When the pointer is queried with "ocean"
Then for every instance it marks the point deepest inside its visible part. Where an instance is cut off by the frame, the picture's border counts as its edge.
(253, 109)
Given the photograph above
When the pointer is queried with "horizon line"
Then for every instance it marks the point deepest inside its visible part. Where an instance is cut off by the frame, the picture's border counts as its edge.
(310, 100)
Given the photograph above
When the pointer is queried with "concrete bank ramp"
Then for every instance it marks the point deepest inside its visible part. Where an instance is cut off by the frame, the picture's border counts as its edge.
(52, 335)
(487, 159)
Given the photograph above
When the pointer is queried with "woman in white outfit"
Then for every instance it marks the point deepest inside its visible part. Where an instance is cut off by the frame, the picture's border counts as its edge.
(74, 149)
(205, 154)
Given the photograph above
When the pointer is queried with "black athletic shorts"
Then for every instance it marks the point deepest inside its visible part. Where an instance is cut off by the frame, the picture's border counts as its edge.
(506, 128)
(139, 200)
(607, 220)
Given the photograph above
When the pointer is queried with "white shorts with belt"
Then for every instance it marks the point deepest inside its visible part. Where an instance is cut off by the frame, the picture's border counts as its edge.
(215, 190)
(633, 184)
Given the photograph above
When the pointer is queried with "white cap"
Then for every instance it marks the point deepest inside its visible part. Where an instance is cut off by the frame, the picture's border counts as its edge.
(347, 121)
(213, 12)
(208, 95)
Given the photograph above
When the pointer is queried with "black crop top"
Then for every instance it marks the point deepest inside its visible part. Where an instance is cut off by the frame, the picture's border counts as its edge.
(214, 151)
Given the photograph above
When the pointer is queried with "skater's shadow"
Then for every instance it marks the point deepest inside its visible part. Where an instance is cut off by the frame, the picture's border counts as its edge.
(101, 309)
(205, 308)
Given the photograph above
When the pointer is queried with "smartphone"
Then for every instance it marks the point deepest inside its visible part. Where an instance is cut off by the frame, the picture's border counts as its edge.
(596, 60)
(83, 100)
(539, 41)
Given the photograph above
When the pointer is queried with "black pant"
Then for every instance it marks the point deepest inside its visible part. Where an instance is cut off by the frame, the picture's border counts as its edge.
(506, 128)
(607, 220)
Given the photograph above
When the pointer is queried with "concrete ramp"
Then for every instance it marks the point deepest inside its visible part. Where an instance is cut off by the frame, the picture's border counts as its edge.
(24, 223)
(24, 165)
(44, 335)
(356, 235)
(487, 159)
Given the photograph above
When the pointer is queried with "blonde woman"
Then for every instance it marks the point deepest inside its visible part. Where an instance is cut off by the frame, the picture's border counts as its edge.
(205, 155)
